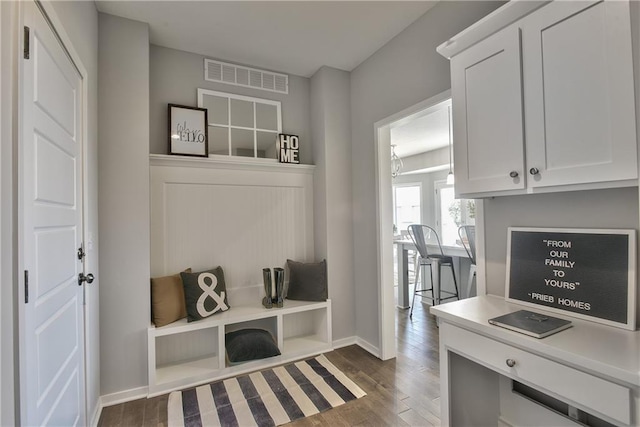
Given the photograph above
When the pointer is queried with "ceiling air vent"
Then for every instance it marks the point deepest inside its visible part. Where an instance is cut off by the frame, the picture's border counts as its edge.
(223, 72)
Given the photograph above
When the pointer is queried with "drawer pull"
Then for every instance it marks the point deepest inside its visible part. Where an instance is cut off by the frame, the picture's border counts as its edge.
(511, 363)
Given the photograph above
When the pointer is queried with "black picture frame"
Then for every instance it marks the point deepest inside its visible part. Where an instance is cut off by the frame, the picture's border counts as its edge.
(584, 273)
(188, 131)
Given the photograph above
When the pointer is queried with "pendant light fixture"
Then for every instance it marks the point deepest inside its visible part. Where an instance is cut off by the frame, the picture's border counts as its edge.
(450, 177)
(396, 162)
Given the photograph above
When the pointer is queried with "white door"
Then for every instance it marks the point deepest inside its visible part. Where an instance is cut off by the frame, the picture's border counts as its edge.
(579, 104)
(488, 115)
(50, 202)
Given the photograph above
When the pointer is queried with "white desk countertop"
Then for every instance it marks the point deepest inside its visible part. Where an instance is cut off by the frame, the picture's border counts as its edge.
(604, 350)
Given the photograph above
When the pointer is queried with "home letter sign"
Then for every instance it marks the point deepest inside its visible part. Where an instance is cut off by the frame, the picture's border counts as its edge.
(288, 148)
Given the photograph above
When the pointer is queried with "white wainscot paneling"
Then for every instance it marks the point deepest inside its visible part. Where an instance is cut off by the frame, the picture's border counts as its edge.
(241, 216)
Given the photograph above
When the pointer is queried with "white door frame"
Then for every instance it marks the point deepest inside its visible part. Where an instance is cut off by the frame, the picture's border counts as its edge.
(384, 217)
(54, 21)
(1, 215)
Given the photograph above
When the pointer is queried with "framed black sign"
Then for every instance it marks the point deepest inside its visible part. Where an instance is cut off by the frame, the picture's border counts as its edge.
(188, 131)
(288, 147)
(585, 273)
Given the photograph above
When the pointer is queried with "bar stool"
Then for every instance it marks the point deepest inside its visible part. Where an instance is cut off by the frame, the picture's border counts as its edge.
(467, 235)
(421, 236)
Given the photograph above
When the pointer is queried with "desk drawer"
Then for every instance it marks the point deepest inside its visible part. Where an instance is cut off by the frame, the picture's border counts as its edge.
(583, 390)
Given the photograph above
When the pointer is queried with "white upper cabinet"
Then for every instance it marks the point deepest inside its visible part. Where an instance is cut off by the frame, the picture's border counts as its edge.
(579, 108)
(547, 102)
(486, 88)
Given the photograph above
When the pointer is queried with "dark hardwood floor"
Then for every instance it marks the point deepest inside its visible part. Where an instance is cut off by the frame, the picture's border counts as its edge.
(400, 392)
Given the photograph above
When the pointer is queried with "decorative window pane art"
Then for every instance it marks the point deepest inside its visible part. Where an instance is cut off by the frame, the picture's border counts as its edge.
(240, 125)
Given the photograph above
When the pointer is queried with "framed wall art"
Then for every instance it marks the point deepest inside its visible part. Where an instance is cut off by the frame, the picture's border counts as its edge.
(188, 131)
(585, 273)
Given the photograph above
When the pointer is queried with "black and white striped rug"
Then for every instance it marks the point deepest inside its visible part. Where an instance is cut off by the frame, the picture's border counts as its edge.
(268, 398)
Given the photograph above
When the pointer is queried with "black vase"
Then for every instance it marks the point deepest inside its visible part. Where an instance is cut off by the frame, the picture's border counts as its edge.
(278, 277)
(266, 277)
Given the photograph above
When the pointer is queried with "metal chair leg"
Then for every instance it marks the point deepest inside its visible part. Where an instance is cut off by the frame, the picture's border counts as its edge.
(417, 267)
(455, 282)
(433, 295)
(437, 302)
(472, 275)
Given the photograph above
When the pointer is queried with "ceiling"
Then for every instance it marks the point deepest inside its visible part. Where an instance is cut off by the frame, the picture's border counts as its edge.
(421, 132)
(295, 37)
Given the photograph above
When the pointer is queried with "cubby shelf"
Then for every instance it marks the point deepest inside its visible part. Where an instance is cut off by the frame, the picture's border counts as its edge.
(186, 369)
(193, 353)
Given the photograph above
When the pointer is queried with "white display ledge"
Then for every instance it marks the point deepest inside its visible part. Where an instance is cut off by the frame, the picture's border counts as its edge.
(229, 162)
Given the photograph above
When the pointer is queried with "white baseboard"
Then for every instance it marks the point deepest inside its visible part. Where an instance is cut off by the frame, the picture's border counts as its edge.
(96, 414)
(142, 392)
(344, 342)
(123, 396)
(503, 423)
(369, 347)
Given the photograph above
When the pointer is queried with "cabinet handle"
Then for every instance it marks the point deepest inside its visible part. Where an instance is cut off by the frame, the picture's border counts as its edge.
(513, 174)
(511, 363)
(534, 171)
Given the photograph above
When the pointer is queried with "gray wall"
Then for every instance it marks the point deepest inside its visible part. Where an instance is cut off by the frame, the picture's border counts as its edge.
(123, 202)
(612, 208)
(176, 76)
(405, 71)
(331, 133)
(431, 159)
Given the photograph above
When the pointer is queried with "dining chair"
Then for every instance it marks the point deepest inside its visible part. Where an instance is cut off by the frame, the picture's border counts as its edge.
(467, 235)
(430, 254)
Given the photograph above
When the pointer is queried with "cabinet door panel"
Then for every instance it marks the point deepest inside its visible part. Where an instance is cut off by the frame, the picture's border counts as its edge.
(487, 115)
(579, 106)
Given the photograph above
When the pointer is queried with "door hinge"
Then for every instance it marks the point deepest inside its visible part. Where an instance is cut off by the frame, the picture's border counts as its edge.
(26, 286)
(26, 42)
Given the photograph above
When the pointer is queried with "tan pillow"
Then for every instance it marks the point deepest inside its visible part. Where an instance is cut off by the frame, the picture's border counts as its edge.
(167, 299)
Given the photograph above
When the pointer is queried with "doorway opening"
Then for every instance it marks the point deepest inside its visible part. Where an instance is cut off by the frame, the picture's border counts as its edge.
(421, 138)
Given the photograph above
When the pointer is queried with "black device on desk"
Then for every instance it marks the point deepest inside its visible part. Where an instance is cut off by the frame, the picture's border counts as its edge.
(530, 323)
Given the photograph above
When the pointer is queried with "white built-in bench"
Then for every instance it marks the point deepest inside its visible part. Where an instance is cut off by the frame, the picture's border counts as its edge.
(250, 214)
(184, 354)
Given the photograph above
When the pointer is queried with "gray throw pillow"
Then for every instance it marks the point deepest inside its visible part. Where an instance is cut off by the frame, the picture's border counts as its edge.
(249, 344)
(205, 293)
(307, 281)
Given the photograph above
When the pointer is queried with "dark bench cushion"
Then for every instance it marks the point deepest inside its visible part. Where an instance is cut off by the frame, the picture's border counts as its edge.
(250, 344)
